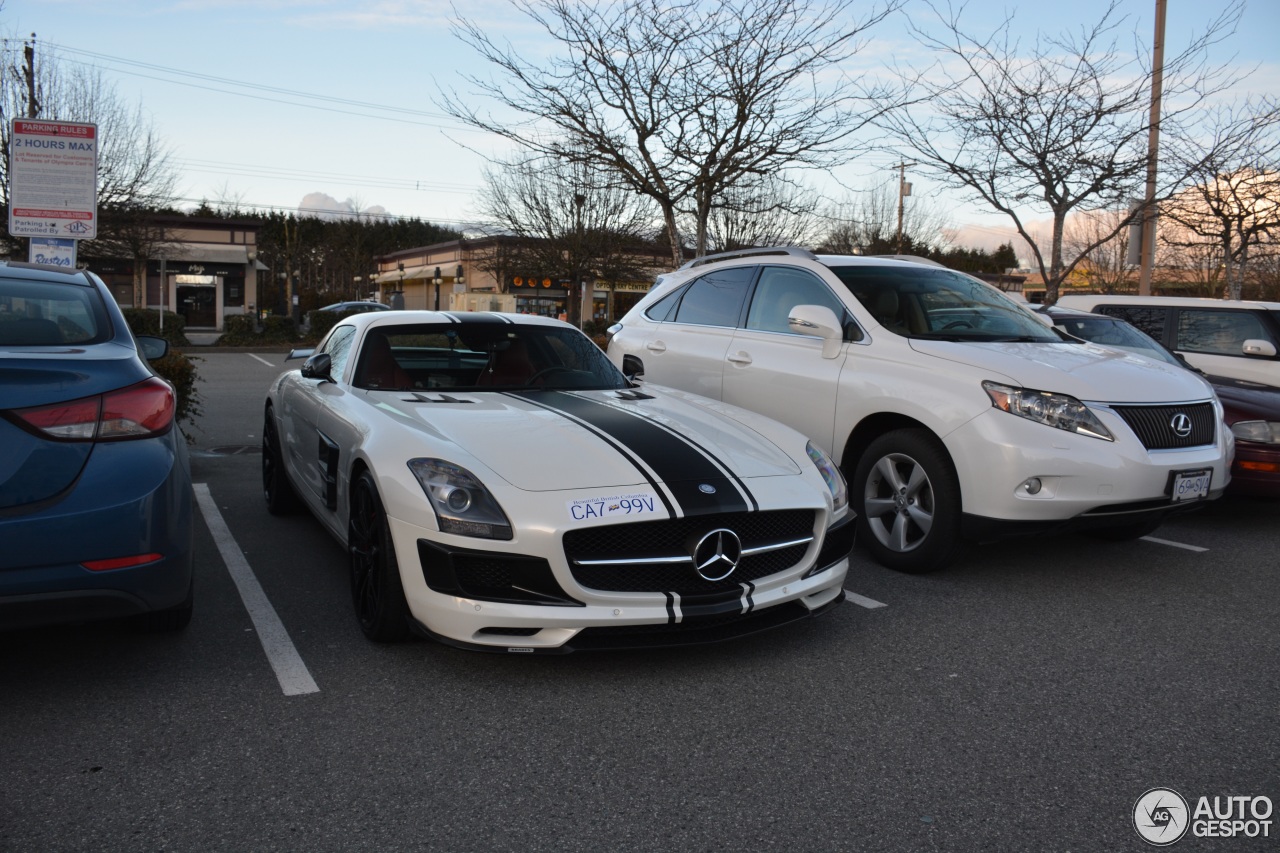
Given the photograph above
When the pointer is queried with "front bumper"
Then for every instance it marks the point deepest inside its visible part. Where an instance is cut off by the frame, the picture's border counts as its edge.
(1081, 478)
(517, 597)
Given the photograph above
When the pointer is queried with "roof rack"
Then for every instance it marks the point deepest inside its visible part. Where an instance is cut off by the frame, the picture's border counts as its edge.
(746, 253)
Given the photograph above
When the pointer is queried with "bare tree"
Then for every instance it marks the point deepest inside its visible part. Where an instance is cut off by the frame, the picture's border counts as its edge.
(868, 222)
(1102, 246)
(771, 212)
(1062, 125)
(681, 101)
(134, 173)
(1235, 200)
(569, 223)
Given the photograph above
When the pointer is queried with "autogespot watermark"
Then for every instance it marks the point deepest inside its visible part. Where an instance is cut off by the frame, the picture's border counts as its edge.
(1162, 816)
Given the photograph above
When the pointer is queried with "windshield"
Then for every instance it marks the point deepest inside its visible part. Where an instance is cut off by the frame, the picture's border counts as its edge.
(917, 301)
(484, 356)
(1116, 334)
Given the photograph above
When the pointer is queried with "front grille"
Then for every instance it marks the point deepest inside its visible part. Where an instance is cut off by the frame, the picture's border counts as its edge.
(642, 543)
(1153, 424)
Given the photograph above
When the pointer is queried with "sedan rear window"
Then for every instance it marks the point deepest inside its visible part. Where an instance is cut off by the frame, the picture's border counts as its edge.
(40, 313)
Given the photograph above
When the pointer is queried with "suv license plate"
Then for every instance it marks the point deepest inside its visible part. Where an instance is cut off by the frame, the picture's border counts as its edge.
(1191, 485)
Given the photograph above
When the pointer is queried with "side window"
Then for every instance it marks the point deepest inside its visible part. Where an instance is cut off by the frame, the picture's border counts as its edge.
(781, 289)
(1217, 332)
(664, 307)
(716, 298)
(1149, 320)
(339, 348)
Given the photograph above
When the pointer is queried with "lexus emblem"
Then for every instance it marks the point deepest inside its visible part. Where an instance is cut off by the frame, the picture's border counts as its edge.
(717, 554)
(1181, 425)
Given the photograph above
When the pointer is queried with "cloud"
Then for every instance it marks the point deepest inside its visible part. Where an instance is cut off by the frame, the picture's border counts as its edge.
(325, 206)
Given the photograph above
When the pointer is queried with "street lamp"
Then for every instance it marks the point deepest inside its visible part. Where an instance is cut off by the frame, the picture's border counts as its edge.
(436, 280)
(357, 280)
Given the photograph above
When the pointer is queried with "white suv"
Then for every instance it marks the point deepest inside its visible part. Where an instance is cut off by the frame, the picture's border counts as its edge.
(954, 412)
(1222, 337)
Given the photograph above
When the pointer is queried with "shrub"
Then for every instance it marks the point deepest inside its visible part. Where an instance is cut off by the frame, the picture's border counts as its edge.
(176, 367)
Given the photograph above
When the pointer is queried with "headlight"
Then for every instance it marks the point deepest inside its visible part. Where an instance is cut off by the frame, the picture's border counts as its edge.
(1055, 410)
(830, 475)
(1267, 432)
(461, 503)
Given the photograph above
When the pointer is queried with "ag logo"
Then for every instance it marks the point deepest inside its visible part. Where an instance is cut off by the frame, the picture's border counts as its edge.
(1160, 816)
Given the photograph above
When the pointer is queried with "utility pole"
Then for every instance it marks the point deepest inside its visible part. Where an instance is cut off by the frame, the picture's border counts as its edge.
(29, 74)
(904, 190)
(1153, 151)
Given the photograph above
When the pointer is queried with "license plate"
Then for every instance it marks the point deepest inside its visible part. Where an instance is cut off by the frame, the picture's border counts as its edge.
(1191, 485)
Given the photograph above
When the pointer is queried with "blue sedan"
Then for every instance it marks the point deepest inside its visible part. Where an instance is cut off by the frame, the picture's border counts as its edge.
(95, 485)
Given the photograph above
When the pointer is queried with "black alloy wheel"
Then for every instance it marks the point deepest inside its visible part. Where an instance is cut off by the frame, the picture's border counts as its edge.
(276, 488)
(376, 591)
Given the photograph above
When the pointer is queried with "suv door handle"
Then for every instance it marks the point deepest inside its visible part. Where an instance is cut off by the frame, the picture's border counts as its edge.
(739, 358)
(656, 346)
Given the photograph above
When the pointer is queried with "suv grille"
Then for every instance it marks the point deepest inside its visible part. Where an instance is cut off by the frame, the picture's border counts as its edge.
(1154, 425)
(641, 545)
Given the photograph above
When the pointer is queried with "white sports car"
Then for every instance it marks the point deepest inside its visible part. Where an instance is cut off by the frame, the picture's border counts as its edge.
(500, 486)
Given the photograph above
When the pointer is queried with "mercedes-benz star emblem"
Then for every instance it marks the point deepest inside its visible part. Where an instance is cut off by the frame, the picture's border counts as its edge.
(717, 554)
(707, 489)
(1180, 424)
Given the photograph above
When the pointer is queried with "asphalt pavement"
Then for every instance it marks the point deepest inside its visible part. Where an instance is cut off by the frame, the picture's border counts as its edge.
(1024, 699)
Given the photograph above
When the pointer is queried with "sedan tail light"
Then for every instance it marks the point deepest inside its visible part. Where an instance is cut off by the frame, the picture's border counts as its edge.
(138, 411)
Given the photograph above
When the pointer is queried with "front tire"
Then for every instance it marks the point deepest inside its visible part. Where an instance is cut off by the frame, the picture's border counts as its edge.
(376, 590)
(908, 502)
(276, 488)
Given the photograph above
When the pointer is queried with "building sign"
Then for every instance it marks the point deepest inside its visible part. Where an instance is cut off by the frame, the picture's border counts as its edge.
(52, 251)
(53, 179)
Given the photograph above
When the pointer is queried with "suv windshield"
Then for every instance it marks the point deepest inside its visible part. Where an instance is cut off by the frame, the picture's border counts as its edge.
(483, 357)
(940, 304)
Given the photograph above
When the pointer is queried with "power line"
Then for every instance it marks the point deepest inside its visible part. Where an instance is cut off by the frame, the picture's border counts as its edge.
(365, 181)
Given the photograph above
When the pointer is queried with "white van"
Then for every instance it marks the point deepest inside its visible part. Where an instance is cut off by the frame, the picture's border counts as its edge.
(1223, 337)
(955, 413)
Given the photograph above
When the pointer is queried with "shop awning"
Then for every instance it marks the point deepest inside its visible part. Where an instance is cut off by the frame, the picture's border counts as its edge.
(395, 276)
(207, 253)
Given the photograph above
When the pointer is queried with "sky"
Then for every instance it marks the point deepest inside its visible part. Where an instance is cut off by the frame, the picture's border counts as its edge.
(333, 104)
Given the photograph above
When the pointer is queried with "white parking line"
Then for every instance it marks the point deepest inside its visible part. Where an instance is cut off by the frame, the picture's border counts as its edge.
(1195, 548)
(292, 673)
(263, 360)
(863, 601)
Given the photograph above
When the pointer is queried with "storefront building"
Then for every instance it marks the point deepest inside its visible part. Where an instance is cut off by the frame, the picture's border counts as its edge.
(471, 275)
(203, 270)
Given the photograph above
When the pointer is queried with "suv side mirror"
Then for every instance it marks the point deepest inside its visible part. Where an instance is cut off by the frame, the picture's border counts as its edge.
(817, 321)
(1256, 346)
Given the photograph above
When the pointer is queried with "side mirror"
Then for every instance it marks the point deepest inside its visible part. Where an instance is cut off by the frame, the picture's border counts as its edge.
(632, 368)
(152, 347)
(818, 321)
(1256, 346)
(318, 367)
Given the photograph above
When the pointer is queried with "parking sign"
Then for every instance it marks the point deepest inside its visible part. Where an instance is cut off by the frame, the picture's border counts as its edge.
(53, 179)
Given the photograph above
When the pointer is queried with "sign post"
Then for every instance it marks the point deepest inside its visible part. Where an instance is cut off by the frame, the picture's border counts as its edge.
(53, 179)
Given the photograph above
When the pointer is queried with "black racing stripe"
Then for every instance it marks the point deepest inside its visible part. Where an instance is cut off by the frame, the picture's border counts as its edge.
(671, 608)
(706, 606)
(478, 318)
(683, 467)
(755, 505)
(622, 451)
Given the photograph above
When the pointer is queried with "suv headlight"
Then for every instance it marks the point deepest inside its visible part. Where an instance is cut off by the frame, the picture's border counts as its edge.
(1267, 432)
(461, 502)
(830, 475)
(1055, 410)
